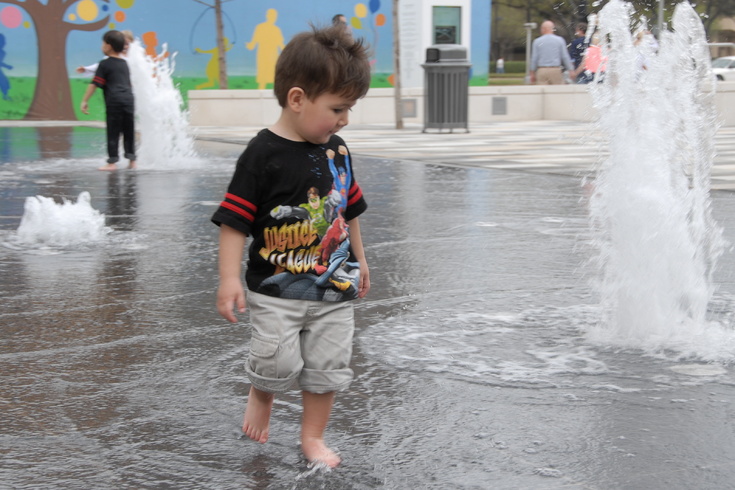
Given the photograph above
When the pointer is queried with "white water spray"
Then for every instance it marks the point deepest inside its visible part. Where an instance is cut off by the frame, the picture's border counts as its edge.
(48, 224)
(165, 139)
(651, 210)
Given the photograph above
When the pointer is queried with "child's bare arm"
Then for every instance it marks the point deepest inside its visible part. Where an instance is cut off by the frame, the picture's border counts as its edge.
(87, 95)
(359, 251)
(230, 293)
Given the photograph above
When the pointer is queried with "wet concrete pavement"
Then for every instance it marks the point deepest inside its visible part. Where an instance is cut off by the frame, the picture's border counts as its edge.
(552, 147)
(472, 366)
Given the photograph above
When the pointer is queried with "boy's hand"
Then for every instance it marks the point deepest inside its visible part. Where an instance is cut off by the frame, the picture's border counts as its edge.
(230, 295)
(85, 108)
(364, 285)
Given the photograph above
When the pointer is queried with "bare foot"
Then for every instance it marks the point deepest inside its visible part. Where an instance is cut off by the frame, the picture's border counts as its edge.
(132, 165)
(108, 167)
(317, 452)
(258, 415)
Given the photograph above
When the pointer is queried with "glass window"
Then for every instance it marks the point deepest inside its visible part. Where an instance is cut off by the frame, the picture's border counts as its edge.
(447, 25)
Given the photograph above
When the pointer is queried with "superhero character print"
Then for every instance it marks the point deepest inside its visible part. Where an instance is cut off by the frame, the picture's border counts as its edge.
(321, 270)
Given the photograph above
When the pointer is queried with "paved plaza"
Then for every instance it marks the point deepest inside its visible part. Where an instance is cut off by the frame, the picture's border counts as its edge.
(474, 366)
(553, 147)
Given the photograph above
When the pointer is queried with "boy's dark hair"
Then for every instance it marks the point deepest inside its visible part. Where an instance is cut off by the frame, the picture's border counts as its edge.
(582, 27)
(115, 39)
(321, 61)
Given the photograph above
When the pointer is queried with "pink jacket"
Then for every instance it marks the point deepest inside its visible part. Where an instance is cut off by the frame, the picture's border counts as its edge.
(594, 61)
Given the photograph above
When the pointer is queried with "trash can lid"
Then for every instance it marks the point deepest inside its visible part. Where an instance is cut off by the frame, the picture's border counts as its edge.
(446, 52)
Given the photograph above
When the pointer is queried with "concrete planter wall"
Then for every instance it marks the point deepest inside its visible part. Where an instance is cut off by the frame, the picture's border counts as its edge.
(486, 104)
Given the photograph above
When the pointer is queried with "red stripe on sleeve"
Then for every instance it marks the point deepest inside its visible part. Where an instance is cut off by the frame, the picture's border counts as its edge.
(356, 195)
(242, 201)
(238, 210)
(99, 80)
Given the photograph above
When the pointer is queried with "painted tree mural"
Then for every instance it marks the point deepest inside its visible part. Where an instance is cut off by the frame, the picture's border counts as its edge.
(51, 19)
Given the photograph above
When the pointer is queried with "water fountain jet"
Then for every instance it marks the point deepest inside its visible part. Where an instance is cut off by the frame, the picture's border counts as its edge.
(165, 137)
(651, 210)
(46, 223)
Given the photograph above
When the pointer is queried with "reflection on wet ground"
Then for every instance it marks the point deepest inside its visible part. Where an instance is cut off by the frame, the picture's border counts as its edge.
(472, 369)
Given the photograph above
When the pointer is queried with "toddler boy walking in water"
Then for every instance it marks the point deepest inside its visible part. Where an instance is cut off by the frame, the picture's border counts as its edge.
(113, 77)
(294, 193)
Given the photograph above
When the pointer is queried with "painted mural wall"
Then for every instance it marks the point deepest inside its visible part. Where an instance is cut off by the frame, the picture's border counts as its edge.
(44, 42)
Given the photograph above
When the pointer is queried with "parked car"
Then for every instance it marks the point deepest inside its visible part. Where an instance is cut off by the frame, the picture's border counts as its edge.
(724, 68)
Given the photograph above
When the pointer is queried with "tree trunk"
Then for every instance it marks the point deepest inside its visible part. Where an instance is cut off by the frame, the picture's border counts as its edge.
(52, 98)
(221, 45)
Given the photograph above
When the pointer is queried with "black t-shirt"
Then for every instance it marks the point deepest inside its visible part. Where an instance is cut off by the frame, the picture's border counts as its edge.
(113, 77)
(295, 202)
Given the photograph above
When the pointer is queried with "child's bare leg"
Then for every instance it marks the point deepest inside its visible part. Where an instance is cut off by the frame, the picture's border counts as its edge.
(132, 164)
(109, 166)
(258, 415)
(317, 408)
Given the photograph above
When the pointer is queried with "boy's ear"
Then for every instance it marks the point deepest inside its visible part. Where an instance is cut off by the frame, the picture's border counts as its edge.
(296, 98)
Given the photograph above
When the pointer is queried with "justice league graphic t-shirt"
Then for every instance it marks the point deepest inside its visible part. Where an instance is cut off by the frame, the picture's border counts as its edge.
(295, 200)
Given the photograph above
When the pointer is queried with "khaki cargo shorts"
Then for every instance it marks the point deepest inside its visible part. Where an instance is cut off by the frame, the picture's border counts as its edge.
(308, 342)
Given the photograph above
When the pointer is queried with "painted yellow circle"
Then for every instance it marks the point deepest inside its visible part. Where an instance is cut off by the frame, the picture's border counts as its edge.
(125, 4)
(87, 10)
(72, 17)
(26, 24)
(361, 10)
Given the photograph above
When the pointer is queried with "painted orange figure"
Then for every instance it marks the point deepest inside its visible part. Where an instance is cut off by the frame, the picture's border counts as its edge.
(150, 40)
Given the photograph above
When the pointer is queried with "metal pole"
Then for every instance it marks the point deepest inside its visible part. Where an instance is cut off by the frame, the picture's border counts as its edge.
(529, 26)
(397, 100)
(660, 24)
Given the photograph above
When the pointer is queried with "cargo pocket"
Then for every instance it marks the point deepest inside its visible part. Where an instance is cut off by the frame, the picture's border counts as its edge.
(264, 365)
(263, 347)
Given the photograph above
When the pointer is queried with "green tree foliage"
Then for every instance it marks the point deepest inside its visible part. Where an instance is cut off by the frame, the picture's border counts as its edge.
(567, 13)
(713, 10)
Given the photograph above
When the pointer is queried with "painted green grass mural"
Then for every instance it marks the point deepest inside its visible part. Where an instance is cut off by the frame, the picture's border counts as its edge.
(16, 105)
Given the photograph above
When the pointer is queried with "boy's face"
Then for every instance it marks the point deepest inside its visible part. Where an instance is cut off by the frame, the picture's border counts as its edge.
(322, 117)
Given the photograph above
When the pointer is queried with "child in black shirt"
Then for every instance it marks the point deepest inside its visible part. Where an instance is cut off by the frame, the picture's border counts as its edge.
(113, 77)
(294, 192)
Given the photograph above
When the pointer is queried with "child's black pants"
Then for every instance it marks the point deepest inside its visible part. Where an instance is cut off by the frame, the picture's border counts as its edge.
(120, 120)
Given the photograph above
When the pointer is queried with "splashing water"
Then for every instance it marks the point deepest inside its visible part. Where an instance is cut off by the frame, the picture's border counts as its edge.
(48, 224)
(165, 140)
(651, 210)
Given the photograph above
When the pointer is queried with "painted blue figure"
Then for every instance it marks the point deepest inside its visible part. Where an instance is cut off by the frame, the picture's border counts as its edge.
(4, 82)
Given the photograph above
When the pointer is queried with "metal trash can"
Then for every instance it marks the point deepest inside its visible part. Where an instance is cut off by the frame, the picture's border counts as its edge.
(446, 87)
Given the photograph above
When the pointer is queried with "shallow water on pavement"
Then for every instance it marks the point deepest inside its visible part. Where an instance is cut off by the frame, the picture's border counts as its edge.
(472, 368)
